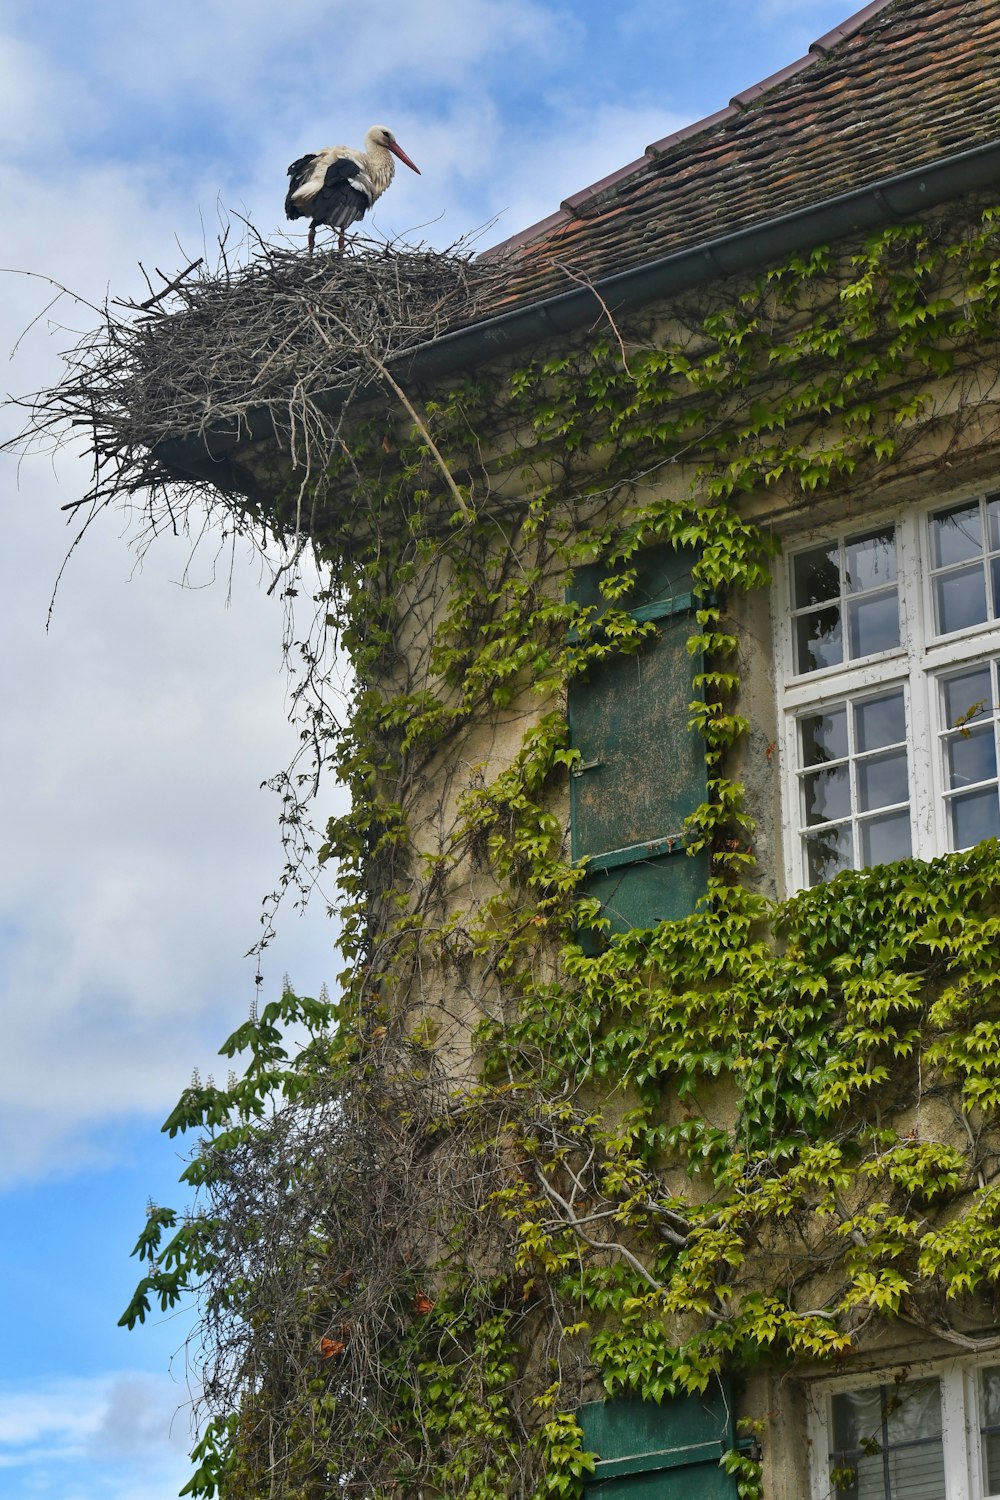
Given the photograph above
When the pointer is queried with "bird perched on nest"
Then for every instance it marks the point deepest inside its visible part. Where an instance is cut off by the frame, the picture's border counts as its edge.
(337, 186)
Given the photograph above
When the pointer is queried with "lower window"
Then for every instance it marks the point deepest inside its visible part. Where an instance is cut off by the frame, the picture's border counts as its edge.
(854, 785)
(969, 716)
(932, 1434)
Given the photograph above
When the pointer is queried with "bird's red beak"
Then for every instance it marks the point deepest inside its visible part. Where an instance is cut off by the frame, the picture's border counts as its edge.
(398, 151)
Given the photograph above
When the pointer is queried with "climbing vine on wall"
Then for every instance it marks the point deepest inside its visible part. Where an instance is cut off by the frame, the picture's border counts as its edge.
(510, 1170)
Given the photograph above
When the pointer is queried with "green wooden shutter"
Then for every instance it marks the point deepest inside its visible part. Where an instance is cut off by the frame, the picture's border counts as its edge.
(642, 771)
(670, 1452)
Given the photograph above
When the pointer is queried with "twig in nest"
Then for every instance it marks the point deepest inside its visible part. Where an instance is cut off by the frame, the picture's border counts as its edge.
(171, 286)
(411, 410)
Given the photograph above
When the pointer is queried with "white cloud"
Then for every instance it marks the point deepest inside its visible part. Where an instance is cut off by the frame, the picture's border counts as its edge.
(591, 144)
(137, 735)
(225, 73)
(107, 1415)
(109, 1437)
(22, 89)
(138, 1414)
(62, 1413)
(253, 97)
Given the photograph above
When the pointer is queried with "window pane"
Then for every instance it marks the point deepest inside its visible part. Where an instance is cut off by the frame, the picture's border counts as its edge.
(956, 534)
(913, 1410)
(991, 1462)
(989, 1417)
(882, 780)
(993, 514)
(857, 1418)
(880, 721)
(829, 852)
(967, 696)
(960, 599)
(847, 776)
(885, 839)
(995, 585)
(816, 575)
(873, 623)
(870, 560)
(827, 795)
(869, 1478)
(974, 816)
(824, 736)
(972, 757)
(887, 1443)
(918, 1473)
(818, 640)
(989, 1391)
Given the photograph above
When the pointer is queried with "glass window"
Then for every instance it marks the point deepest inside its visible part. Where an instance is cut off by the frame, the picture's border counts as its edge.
(989, 1428)
(854, 792)
(892, 742)
(845, 600)
(911, 1434)
(887, 1442)
(965, 564)
(969, 716)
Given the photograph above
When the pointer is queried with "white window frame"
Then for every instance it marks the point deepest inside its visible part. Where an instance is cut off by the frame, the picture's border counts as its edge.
(960, 1421)
(915, 664)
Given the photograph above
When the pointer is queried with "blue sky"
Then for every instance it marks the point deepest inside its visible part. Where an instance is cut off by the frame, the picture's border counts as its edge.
(137, 842)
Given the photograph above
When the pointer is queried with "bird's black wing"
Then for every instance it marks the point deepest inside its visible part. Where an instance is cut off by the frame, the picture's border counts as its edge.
(298, 172)
(345, 197)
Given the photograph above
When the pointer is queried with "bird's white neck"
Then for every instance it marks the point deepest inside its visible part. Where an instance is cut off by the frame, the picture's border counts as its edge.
(382, 167)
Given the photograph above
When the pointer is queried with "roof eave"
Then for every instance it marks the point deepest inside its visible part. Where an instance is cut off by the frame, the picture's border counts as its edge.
(888, 201)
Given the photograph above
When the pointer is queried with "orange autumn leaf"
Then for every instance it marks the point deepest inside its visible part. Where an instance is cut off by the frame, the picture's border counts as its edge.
(329, 1347)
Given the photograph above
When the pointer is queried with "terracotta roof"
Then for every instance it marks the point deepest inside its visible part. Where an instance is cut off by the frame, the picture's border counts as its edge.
(897, 86)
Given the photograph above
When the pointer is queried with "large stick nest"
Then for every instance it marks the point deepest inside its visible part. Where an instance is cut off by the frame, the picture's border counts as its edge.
(276, 346)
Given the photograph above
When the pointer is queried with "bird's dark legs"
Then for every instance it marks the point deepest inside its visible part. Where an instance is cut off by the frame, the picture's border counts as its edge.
(312, 239)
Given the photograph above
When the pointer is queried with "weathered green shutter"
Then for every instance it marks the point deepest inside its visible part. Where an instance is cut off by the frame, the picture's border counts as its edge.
(670, 1452)
(642, 771)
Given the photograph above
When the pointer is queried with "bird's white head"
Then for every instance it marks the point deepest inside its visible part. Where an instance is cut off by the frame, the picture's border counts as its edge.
(380, 137)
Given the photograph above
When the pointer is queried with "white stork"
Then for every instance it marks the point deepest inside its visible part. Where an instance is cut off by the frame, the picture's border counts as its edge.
(337, 186)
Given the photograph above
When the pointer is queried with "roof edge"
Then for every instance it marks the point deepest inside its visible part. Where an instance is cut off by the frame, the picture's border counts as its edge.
(885, 201)
(830, 39)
